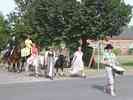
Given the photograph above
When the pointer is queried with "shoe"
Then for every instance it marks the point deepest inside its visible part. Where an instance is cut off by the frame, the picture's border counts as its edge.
(51, 78)
(83, 76)
(36, 75)
(105, 90)
(113, 94)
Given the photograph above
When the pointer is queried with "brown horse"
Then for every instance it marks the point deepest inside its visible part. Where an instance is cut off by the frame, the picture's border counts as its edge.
(13, 59)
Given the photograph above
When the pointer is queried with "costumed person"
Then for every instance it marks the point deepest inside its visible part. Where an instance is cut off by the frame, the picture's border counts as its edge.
(6, 53)
(24, 56)
(42, 58)
(77, 63)
(12, 44)
(28, 44)
(33, 59)
(109, 60)
(49, 62)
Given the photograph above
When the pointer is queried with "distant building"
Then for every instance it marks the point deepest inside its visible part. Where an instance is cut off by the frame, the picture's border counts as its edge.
(124, 41)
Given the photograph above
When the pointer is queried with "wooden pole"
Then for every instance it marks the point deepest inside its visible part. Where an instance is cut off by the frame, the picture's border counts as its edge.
(98, 62)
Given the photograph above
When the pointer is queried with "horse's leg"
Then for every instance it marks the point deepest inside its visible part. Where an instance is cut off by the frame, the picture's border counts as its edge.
(62, 69)
(9, 65)
(45, 70)
(18, 67)
(22, 66)
(22, 63)
(57, 69)
(14, 67)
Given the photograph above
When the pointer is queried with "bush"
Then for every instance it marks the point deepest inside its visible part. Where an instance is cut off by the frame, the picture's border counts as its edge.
(87, 55)
(130, 51)
(117, 51)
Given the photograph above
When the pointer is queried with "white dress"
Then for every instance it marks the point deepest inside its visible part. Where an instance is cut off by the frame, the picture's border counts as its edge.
(77, 63)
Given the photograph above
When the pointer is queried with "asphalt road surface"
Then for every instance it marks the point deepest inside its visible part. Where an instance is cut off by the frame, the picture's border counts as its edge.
(72, 89)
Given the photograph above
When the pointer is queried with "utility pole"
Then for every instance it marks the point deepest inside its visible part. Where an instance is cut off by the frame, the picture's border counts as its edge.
(98, 8)
(98, 51)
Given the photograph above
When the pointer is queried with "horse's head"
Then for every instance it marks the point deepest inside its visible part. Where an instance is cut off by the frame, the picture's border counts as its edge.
(61, 60)
(62, 57)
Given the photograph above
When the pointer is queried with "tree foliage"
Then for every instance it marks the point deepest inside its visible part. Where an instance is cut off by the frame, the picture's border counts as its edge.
(4, 32)
(69, 20)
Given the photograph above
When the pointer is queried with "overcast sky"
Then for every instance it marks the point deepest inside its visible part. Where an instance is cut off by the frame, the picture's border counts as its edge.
(7, 6)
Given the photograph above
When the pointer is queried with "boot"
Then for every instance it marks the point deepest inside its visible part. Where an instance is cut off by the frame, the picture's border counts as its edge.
(112, 93)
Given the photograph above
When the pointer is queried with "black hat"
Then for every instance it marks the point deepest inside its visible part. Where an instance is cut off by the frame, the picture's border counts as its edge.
(109, 46)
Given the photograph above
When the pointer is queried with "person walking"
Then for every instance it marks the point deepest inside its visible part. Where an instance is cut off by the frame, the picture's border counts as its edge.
(77, 63)
(108, 59)
(49, 62)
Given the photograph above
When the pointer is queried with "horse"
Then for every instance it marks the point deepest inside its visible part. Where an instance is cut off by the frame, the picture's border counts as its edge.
(12, 58)
(5, 55)
(60, 63)
(62, 60)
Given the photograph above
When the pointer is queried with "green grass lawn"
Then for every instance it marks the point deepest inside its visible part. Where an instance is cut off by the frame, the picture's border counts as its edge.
(126, 61)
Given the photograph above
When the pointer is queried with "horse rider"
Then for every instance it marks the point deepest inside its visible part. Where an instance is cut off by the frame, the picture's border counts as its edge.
(12, 44)
(33, 59)
(7, 50)
(28, 44)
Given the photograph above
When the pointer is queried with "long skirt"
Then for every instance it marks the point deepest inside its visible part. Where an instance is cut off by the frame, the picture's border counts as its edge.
(50, 66)
(34, 61)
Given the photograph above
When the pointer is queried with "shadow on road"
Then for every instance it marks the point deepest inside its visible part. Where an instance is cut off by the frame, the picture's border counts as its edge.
(98, 87)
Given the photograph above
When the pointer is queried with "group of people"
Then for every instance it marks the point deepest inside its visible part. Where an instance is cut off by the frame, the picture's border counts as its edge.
(30, 54)
(77, 65)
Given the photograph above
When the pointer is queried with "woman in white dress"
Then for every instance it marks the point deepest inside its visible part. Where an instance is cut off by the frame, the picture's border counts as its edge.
(49, 62)
(77, 63)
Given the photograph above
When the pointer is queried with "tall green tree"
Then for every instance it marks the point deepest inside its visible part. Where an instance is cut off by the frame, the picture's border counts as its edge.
(69, 20)
(4, 32)
(17, 26)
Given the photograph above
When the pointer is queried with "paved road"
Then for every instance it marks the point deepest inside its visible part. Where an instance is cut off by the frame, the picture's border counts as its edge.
(72, 89)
